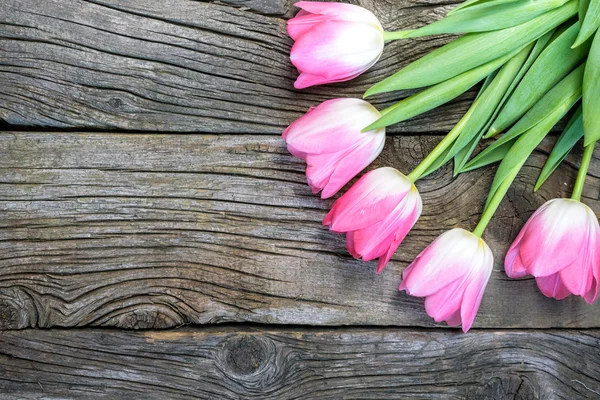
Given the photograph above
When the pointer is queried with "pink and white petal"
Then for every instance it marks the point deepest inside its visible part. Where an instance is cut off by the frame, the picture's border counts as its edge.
(474, 292)
(369, 200)
(350, 245)
(337, 50)
(454, 319)
(295, 152)
(376, 240)
(444, 303)
(398, 238)
(334, 125)
(551, 286)
(305, 80)
(341, 11)
(320, 167)
(513, 265)
(407, 271)
(577, 277)
(591, 296)
(450, 257)
(302, 23)
(554, 238)
(352, 163)
(517, 269)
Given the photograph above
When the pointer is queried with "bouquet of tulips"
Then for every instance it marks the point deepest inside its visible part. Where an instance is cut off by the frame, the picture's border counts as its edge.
(539, 60)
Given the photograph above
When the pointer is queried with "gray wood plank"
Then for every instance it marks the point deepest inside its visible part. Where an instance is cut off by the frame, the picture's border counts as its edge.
(154, 231)
(263, 363)
(180, 65)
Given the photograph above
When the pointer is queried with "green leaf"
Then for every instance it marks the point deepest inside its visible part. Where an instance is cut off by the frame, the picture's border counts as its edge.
(590, 23)
(540, 45)
(464, 154)
(522, 148)
(583, 7)
(591, 94)
(486, 102)
(478, 4)
(436, 95)
(560, 99)
(494, 155)
(552, 65)
(567, 140)
(472, 50)
(476, 19)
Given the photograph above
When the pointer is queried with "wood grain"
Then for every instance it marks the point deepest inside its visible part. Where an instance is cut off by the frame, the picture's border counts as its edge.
(181, 65)
(265, 363)
(154, 231)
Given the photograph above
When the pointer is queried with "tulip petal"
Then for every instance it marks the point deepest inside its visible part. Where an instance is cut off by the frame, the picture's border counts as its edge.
(451, 256)
(377, 240)
(554, 237)
(352, 163)
(340, 11)
(474, 292)
(373, 197)
(336, 51)
(350, 245)
(591, 296)
(552, 286)
(513, 265)
(303, 22)
(332, 126)
(443, 305)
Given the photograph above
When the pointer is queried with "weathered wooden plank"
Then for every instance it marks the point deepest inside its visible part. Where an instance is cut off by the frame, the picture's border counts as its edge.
(179, 65)
(152, 231)
(261, 363)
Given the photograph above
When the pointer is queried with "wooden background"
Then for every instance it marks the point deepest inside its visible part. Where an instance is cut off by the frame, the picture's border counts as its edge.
(144, 185)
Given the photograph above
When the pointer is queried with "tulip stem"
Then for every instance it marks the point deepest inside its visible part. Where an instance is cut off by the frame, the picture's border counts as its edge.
(424, 165)
(493, 204)
(588, 151)
(391, 36)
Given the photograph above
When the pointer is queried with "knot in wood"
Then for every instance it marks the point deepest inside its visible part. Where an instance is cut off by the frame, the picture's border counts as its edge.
(245, 355)
(115, 102)
(9, 315)
(506, 387)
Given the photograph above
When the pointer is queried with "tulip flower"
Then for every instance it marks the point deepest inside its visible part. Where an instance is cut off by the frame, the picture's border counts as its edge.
(451, 273)
(560, 246)
(376, 214)
(329, 138)
(334, 42)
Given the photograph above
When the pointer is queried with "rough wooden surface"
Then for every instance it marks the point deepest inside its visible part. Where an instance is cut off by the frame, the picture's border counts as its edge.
(247, 363)
(180, 65)
(153, 231)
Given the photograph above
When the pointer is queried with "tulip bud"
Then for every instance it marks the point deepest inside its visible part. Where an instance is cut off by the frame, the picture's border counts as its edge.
(334, 42)
(376, 214)
(560, 246)
(329, 138)
(451, 273)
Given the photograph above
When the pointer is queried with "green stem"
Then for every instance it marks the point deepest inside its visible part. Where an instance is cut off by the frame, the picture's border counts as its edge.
(448, 140)
(583, 169)
(390, 36)
(492, 206)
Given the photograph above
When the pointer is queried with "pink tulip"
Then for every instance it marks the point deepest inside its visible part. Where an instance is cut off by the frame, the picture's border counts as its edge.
(451, 273)
(334, 42)
(560, 246)
(376, 213)
(329, 138)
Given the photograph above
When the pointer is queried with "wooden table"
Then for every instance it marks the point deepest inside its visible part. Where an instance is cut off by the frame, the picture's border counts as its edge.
(144, 185)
